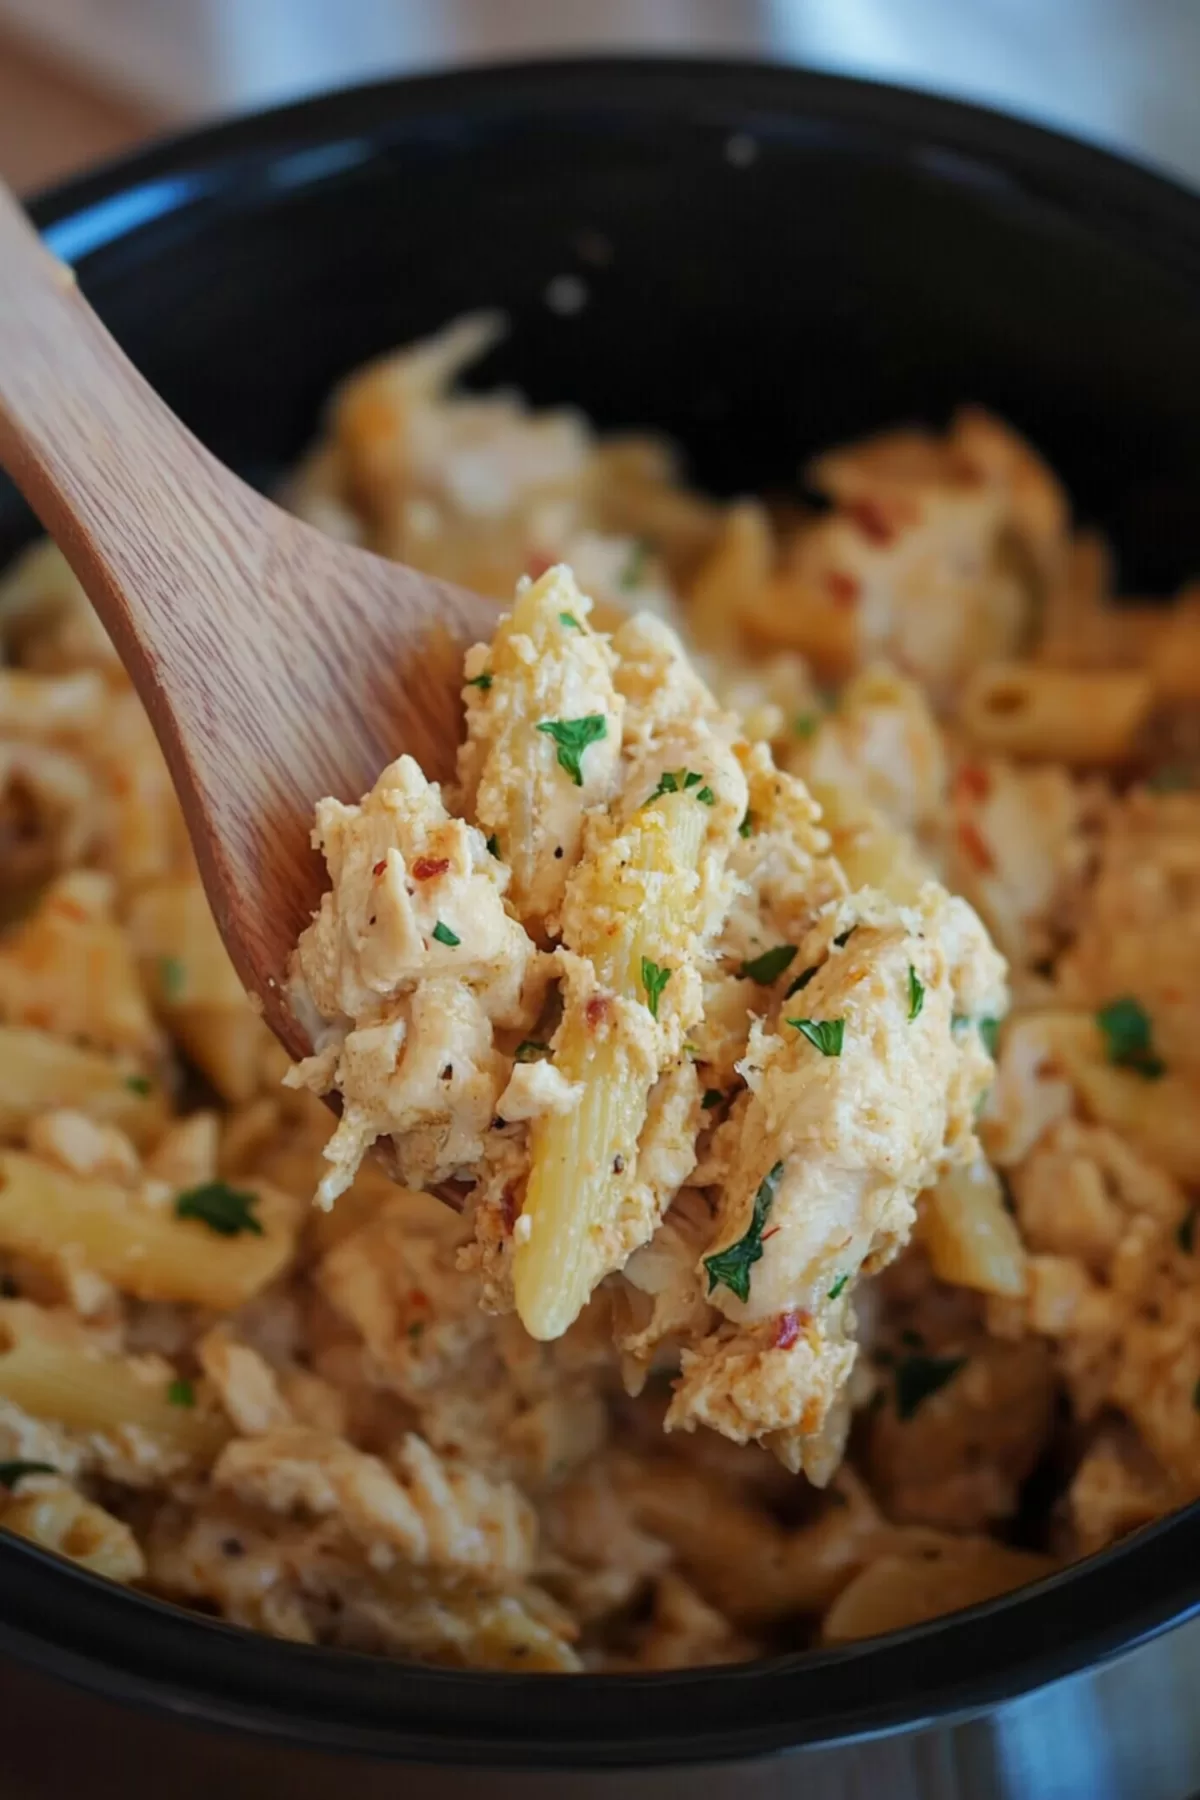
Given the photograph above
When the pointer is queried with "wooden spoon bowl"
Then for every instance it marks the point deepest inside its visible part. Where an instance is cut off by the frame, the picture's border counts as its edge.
(276, 664)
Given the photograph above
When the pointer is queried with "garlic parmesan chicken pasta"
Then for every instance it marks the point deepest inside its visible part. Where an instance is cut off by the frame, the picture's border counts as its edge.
(781, 1036)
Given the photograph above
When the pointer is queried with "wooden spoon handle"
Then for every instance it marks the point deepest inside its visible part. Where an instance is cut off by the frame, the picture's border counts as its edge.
(123, 486)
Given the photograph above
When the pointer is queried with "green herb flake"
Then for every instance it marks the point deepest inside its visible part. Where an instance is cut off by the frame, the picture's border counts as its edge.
(916, 992)
(1185, 1231)
(843, 938)
(712, 1097)
(172, 976)
(138, 1084)
(1127, 1036)
(989, 1031)
(12, 1472)
(654, 980)
(181, 1393)
(442, 934)
(769, 966)
(570, 621)
(801, 981)
(731, 1267)
(482, 682)
(825, 1035)
(416, 1330)
(633, 570)
(747, 824)
(806, 725)
(572, 736)
(529, 1050)
(839, 1287)
(917, 1377)
(225, 1210)
(681, 781)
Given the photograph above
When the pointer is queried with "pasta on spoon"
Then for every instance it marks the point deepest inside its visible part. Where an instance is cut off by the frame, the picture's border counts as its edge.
(532, 991)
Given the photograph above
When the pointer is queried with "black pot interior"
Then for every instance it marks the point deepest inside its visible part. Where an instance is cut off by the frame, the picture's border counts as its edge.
(770, 262)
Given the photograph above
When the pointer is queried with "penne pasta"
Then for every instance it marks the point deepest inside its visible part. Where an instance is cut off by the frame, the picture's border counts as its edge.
(139, 1245)
(194, 988)
(61, 1520)
(646, 883)
(970, 1238)
(39, 1072)
(55, 1370)
(1087, 719)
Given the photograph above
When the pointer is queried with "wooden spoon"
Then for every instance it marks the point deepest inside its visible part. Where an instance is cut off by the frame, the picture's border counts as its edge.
(275, 664)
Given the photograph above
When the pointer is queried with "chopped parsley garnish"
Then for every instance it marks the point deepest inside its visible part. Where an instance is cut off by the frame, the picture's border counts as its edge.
(172, 975)
(442, 934)
(916, 992)
(570, 621)
(917, 1377)
(825, 1035)
(674, 781)
(747, 824)
(416, 1330)
(801, 981)
(138, 1084)
(224, 1209)
(1126, 1028)
(1185, 1231)
(12, 1472)
(654, 980)
(181, 1393)
(731, 1267)
(805, 725)
(482, 682)
(838, 1286)
(682, 781)
(529, 1050)
(712, 1097)
(989, 1031)
(572, 737)
(633, 570)
(769, 966)
(493, 845)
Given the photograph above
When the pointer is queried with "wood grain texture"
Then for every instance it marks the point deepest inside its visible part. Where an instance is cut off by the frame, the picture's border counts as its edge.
(276, 665)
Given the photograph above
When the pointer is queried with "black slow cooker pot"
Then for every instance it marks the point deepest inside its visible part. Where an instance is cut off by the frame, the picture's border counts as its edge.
(761, 262)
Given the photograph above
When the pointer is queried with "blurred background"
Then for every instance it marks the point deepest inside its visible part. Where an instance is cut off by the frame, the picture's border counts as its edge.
(81, 79)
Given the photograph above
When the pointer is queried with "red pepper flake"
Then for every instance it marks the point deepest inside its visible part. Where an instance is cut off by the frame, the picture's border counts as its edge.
(787, 1330)
(768, 1234)
(596, 1010)
(510, 1207)
(426, 867)
(873, 521)
(419, 1300)
(975, 849)
(844, 588)
(973, 782)
(379, 867)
